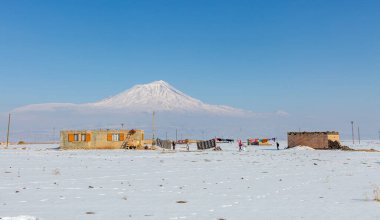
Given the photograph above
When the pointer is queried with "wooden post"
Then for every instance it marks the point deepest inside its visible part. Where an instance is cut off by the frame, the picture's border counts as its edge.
(153, 130)
(53, 139)
(9, 124)
(359, 134)
(176, 135)
(353, 137)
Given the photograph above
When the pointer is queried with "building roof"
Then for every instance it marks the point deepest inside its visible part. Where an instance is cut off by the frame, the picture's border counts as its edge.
(314, 132)
(102, 130)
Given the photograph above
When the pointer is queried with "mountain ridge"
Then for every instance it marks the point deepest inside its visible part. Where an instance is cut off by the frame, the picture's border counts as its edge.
(154, 96)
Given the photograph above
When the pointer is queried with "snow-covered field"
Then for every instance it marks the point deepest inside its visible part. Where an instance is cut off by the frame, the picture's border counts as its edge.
(260, 183)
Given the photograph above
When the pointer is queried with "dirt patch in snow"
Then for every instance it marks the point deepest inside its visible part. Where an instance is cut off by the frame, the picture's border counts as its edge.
(90, 213)
(181, 202)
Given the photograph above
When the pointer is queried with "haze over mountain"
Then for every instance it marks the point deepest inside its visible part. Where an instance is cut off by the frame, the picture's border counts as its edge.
(175, 111)
(134, 107)
(155, 96)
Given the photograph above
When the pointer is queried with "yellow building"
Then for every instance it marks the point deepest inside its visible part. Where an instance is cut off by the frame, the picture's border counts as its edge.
(101, 139)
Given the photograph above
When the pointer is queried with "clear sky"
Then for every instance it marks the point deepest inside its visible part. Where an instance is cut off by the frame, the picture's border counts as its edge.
(314, 58)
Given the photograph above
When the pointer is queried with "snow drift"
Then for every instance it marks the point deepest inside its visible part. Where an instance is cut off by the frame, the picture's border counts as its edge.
(21, 217)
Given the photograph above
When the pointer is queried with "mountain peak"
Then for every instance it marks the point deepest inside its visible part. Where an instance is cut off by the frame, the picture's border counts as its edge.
(161, 96)
(155, 88)
(155, 96)
(159, 82)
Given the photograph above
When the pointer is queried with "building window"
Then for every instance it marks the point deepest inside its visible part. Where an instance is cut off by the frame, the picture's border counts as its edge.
(115, 137)
(79, 137)
(83, 138)
(76, 137)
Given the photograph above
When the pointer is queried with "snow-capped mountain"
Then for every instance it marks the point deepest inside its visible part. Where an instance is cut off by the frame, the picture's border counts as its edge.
(160, 96)
(133, 109)
(155, 96)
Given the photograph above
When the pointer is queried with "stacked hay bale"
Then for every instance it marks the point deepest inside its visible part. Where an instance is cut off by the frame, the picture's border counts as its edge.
(335, 145)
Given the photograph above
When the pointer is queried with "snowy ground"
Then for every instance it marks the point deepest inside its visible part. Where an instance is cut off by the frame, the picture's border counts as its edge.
(261, 183)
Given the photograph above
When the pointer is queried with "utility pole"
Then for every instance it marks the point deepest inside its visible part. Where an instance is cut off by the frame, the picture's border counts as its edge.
(359, 134)
(379, 137)
(353, 137)
(176, 135)
(153, 129)
(53, 135)
(9, 125)
(166, 135)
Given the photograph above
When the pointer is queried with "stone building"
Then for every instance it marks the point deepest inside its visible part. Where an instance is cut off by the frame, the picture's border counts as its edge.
(316, 140)
(101, 139)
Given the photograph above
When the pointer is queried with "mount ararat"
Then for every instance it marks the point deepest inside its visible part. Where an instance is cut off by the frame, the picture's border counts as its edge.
(157, 96)
(133, 108)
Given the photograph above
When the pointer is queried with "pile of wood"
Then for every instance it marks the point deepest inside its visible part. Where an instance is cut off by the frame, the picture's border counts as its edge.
(165, 144)
(335, 145)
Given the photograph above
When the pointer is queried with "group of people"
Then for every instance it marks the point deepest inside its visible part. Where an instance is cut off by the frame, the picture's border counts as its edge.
(240, 144)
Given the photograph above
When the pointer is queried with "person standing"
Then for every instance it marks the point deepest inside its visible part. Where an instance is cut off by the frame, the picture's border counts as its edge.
(278, 146)
(240, 145)
(187, 144)
(173, 144)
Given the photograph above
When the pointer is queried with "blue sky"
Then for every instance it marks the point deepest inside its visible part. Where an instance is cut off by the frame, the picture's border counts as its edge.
(310, 58)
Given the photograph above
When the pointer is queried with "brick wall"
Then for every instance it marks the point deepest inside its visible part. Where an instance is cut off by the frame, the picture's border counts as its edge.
(317, 140)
